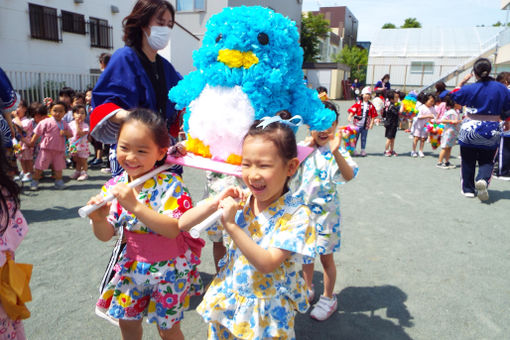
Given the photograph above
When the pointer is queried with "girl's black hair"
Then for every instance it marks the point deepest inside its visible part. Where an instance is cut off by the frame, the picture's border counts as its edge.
(440, 87)
(332, 107)
(155, 123)
(37, 108)
(58, 102)
(77, 108)
(449, 101)
(9, 190)
(386, 76)
(482, 68)
(322, 89)
(67, 91)
(280, 134)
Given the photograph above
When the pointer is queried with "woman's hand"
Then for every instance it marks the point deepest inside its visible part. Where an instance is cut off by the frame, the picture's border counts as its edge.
(101, 213)
(125, 196)
(120, 116)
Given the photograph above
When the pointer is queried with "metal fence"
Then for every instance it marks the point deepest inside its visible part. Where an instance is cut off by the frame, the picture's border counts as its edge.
(35, 86)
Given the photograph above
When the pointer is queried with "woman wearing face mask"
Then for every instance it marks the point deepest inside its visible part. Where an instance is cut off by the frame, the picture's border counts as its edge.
(136, 75)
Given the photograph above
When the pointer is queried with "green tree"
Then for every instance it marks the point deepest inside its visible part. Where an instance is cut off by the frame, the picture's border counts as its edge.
(388, 25)
(498, 24)
(411, 23)
(313, 28)
(356, 58)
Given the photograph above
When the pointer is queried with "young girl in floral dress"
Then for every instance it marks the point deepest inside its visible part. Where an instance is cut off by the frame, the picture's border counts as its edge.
(156, 271)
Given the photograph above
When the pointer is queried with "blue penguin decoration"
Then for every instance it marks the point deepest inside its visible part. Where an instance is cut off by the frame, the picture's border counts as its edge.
(249, 67)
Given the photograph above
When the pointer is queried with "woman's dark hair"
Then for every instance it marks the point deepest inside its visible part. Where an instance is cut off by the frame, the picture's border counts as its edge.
(58, 102)
(426, 97)
(155, 123)
(140, 17)
(440, 87)
(386, 76)
(280, 134)
(390, 95)
(9, 190)
(332, 107)
(482, 68)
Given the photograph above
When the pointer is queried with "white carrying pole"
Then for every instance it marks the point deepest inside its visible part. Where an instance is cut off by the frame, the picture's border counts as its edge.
(205, 224)
(86, 210)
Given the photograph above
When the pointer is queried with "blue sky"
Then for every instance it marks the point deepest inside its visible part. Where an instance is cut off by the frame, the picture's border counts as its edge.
(372, 14)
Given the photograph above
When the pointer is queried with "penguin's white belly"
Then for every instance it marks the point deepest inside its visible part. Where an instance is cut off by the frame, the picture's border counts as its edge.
(220, 117)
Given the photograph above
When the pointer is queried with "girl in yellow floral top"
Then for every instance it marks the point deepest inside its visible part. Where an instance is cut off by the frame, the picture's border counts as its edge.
(258, 289)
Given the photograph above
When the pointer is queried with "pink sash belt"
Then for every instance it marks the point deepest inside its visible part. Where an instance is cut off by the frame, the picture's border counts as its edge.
(155, 248)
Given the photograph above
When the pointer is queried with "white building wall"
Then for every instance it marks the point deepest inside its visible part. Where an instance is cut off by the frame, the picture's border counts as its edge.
(19, 52)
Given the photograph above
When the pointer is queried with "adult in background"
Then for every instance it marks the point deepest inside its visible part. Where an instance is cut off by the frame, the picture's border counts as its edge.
(136, 76)
(383, 84)
(479, 135)
(503, 156)
(9, 101)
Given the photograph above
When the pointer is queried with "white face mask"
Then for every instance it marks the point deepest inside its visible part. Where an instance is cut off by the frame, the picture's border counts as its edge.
(160, 35)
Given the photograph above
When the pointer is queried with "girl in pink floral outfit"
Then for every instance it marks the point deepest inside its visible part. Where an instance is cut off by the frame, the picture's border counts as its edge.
(156, 272)
(13, 228)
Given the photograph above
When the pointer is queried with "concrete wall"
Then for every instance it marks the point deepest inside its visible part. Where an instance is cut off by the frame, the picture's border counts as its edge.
(19, 52)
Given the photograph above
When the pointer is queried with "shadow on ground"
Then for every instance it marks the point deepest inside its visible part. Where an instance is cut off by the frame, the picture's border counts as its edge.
(50, 214)
(359, 315)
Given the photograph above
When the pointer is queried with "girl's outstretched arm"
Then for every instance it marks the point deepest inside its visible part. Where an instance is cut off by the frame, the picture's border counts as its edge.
(102, 229)
(197, 214)
(344, 167)
(264, 260)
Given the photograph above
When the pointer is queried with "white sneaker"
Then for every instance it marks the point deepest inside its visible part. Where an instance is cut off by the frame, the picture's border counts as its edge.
(420, 153)
(483, 193)
(324, 308)
(34, 185)
(468, 194)
(83, 176)
(27, 177)
(414, 154)
(75, 175)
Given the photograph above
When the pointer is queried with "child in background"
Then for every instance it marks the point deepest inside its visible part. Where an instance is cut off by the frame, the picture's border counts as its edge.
(258, 289)
(78, 144)
(156, 271)
(379, 103)
(316, 183)
(391, 120)
(13, 228)
(451, 120)
(426, 112)
(362, 114)
(52, 132)
(323, 93)
(26, 156)
(66, 95)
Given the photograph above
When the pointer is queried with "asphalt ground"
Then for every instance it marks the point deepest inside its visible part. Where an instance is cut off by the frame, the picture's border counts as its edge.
(418, 260)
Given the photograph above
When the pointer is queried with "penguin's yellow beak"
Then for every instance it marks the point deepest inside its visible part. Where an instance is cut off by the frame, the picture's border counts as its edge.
(236, 59)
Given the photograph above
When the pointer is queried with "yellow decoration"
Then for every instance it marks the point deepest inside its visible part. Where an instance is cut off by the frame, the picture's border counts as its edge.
(236, 59)
(196, 146)
(234, 159)
(14, 288)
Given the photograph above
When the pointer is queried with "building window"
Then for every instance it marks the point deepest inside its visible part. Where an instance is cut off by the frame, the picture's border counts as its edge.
(73, 22)
(100, 33)
(190, 5)
(419, 67)
(43, 23)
